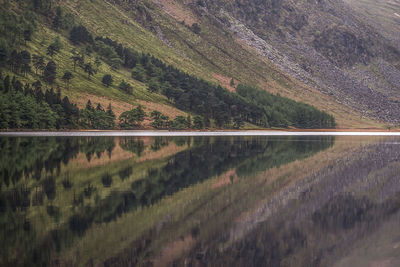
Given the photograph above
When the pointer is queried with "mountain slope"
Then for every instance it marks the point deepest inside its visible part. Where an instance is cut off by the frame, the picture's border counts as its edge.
(235, 42)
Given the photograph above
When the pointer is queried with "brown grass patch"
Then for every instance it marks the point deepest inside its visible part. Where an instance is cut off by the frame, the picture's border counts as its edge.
(173, 250)
(164, 109)
(164, 152)
(177, 10)
(225, 179)
(117, 106)
(224, 81)
(118, 154)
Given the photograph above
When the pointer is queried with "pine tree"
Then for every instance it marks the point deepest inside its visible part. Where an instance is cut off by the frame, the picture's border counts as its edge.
(50, 72)
(89, 105)
(57, 21)
(38, 63)
(51, 50)
(107, 80)
(67, 77)
(80, 35)
(77, 59)
(6, 84)
(25, 62)
(88, 68)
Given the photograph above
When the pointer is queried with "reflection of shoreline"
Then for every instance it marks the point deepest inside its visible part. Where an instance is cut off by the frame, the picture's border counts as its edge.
(120, 154)
(209, 133)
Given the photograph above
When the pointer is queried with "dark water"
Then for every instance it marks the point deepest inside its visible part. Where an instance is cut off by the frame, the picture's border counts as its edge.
(200, 201)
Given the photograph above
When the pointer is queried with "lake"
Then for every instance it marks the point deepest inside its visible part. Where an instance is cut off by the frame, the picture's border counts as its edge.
(306, 200)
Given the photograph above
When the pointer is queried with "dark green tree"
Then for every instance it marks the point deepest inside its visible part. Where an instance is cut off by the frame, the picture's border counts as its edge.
(67, 77)
(196, 28)
(160, 120)
(38, 63)
(50, 72)
(37, 85)
(6, 83)
(139, 73)
(80, 35)
(107, 80)
(28, 34)
(57, 21)
(89, 105)
(88, 68)
(25, 62)
(197, 122)
(132, 119)
(154, 85)
(179, 123)
(51, 50)
(76, 58)
(126, 87)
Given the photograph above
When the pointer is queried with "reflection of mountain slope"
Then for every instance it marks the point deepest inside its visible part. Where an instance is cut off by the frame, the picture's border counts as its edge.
(216, 206)
(206, 158)
(81, 197)
(315, 221)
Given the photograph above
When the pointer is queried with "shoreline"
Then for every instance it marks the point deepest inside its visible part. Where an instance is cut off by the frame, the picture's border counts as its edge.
(289, 132)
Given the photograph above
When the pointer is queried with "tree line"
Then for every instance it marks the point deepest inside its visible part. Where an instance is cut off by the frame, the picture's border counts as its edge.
(212, 102)
(28, 106)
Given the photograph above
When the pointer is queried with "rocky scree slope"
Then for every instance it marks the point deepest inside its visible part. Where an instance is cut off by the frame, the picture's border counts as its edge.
(323, 43)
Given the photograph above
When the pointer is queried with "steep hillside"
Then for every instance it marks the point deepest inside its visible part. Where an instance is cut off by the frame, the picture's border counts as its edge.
(325, 44)
(278, 46)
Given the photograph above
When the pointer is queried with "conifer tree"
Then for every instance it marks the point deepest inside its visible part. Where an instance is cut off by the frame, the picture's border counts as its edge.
(50, 72)
(67, 77)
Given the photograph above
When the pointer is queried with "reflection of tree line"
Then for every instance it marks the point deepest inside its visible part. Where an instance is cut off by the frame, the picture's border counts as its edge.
(41, 159)
(210, 159)
(207, 157)
(283, 151)
(29, 157)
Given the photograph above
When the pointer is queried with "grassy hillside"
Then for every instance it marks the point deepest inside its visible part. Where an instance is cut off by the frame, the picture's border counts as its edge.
(165, 31)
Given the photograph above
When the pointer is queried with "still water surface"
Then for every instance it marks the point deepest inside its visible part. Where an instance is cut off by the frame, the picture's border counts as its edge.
(200, 201)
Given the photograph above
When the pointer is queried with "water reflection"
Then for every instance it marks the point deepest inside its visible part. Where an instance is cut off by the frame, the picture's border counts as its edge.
(199, 200)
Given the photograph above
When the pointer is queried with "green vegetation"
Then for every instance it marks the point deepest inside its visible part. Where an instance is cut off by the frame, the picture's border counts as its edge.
(283, 112)
(27, 107)
(132, 119)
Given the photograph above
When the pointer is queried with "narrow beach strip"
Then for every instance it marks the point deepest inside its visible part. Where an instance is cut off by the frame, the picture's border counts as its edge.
(199, 133)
